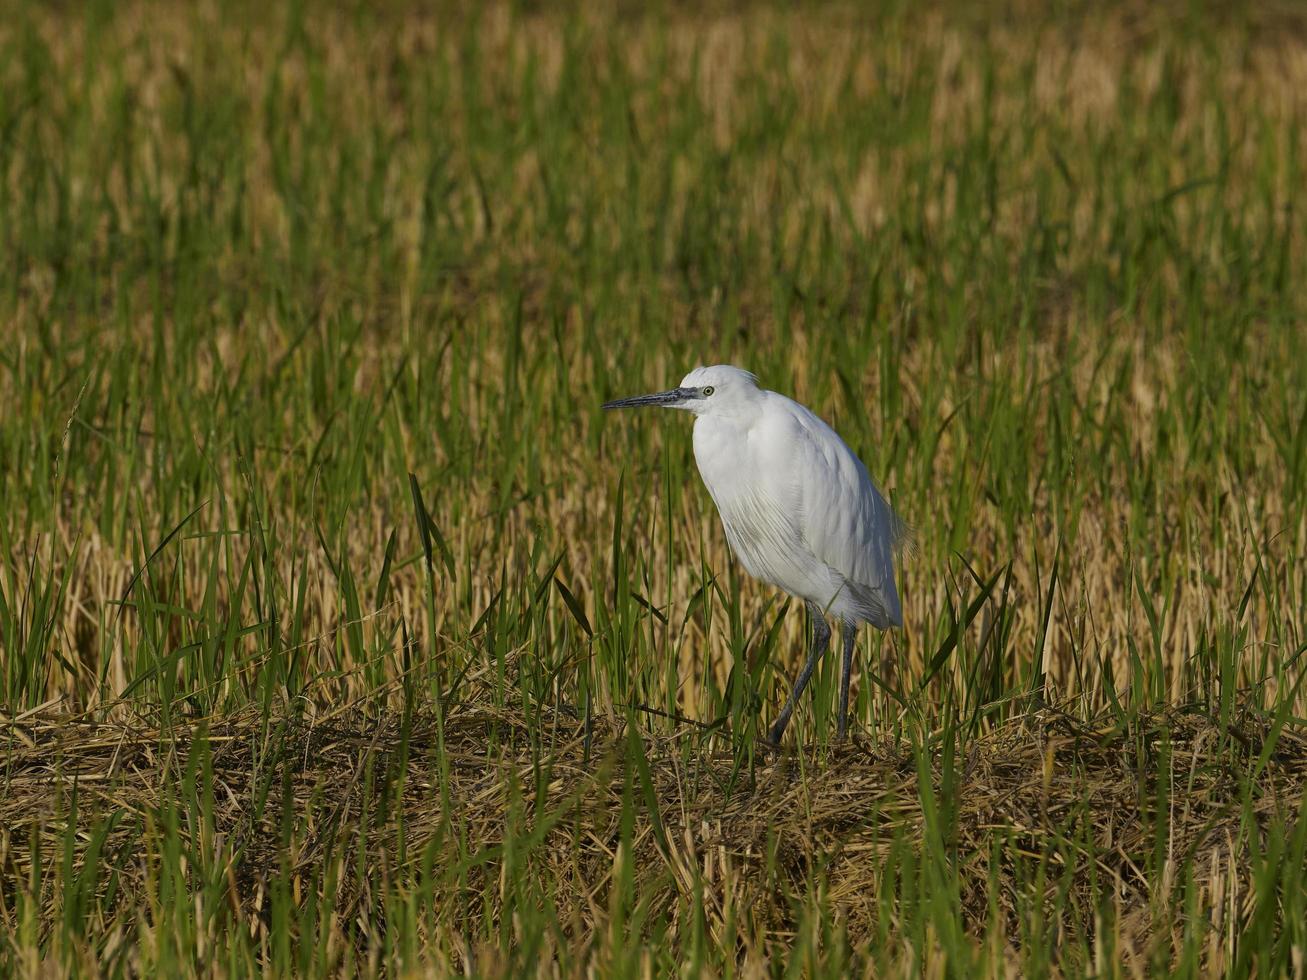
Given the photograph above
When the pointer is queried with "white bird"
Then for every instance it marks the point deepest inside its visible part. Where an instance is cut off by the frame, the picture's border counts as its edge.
(799, 508)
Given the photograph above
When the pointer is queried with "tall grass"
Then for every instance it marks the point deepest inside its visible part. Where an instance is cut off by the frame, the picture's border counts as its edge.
(308, 317)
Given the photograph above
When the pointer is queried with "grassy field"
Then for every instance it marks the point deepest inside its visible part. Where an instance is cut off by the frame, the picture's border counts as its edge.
(341, 631)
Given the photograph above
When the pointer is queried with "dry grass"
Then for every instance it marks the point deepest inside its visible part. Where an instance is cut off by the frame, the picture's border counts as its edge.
(826, 822)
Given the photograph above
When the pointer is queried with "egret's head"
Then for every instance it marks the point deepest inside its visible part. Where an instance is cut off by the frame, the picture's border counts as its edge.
(704, 390)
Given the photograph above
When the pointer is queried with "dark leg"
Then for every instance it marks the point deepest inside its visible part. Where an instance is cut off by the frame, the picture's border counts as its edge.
(820, 640)
(850, 632)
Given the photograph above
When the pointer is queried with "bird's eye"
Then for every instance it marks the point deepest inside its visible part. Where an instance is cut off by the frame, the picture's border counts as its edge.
(708, 391)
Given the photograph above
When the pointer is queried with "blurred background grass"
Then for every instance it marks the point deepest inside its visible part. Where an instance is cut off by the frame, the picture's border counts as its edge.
(1042, 270)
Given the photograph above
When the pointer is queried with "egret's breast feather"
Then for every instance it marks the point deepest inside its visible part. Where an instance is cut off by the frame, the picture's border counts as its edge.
(763, 536)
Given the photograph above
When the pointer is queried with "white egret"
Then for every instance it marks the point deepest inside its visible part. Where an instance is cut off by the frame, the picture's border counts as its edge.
(799, 508)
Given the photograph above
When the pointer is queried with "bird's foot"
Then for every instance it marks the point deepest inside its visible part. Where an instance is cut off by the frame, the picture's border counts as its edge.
(775, 734)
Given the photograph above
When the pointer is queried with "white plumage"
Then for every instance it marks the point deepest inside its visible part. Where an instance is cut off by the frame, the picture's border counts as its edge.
(800, 510)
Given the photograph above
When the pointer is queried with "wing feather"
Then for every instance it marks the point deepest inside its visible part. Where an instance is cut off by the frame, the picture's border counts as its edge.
(845, 519)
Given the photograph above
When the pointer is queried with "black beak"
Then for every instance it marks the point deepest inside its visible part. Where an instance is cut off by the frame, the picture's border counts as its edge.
(665, 399)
